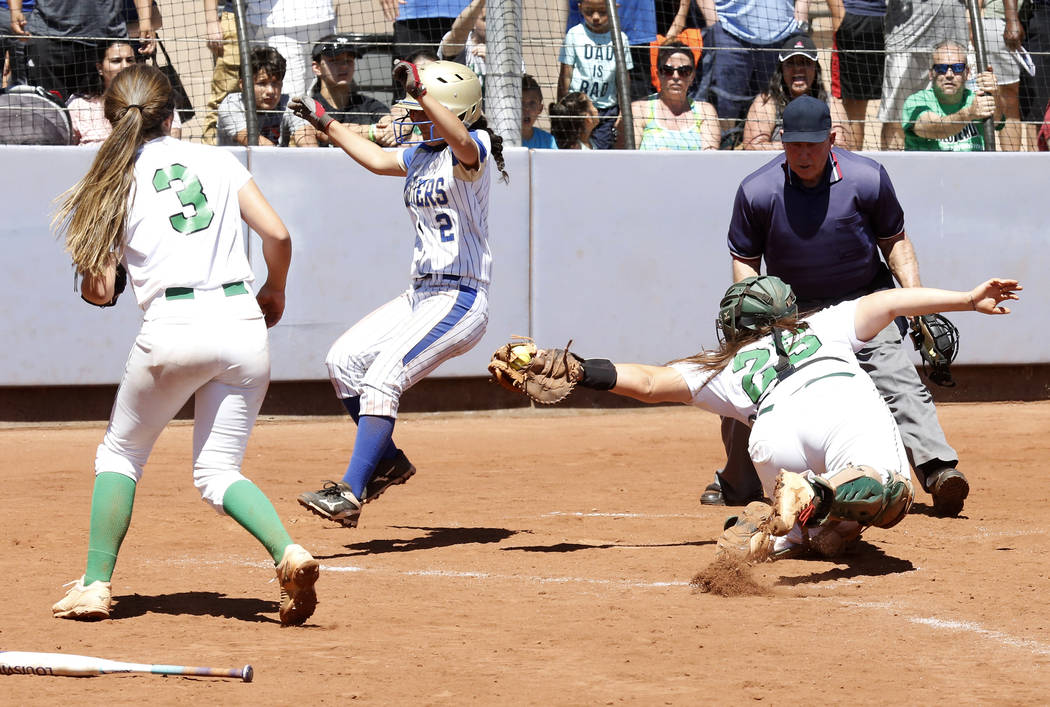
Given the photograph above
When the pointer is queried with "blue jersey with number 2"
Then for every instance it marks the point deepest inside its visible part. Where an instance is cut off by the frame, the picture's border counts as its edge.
(449, 208)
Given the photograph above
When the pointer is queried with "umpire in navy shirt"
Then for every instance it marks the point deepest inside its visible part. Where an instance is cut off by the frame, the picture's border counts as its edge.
(821, 217)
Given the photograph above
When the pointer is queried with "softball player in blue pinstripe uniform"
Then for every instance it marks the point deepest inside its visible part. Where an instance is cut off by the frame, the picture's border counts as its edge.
(445, 310)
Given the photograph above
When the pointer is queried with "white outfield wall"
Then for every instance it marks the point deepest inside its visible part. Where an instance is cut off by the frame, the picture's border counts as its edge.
(623, 252)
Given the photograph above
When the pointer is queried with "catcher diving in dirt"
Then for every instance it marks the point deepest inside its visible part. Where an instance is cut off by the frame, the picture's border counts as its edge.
(823, 441)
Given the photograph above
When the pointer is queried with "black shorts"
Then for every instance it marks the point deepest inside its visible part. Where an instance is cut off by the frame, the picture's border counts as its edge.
(857, 62)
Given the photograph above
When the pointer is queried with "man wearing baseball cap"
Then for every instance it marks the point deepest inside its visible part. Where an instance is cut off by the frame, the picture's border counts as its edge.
(334, 60)
(827, 222)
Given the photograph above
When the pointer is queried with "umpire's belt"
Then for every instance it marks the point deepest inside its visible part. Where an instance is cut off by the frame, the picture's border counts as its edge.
(229, 289)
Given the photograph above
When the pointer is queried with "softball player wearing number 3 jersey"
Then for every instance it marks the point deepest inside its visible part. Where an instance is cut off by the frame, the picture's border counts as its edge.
(445, 311)
(168, 214)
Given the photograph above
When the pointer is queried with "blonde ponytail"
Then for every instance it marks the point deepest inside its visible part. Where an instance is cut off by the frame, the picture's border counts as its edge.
(93, 213)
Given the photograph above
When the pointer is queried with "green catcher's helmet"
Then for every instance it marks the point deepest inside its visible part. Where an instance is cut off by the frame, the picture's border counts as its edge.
(752, 303)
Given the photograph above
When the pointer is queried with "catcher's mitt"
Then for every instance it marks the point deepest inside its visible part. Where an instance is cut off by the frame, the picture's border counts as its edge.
(545, 375)
(937, 341)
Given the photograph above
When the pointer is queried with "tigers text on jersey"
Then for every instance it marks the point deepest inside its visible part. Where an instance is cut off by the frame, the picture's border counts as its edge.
(749, 382)
(184, 219)
(449, 209)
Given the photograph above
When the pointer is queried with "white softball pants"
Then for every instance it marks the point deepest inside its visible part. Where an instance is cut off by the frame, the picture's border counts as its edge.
(400, 343)
(213, 348)
(824, 428)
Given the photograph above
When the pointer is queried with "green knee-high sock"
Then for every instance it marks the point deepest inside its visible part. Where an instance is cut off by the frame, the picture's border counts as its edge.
(111, 504)
(247, 505)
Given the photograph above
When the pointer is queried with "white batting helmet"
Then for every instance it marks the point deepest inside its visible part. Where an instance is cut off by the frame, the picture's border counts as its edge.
(454, 86)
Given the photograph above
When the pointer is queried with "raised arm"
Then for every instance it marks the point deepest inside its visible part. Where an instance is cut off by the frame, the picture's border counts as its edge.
(277, 249)
(446, 125)
(456, 39)
(877, 310)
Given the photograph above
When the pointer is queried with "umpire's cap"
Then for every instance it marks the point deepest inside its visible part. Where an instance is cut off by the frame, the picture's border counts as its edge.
(806, 119)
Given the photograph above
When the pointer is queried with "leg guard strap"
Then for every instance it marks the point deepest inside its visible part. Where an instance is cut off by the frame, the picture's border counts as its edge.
(859, 494)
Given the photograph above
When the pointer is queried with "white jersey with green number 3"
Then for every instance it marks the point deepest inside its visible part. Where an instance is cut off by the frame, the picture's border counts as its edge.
(184, 222)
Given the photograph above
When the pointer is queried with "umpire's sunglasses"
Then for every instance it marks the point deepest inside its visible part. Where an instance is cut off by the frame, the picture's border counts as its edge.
(683, 70)
(957, 68)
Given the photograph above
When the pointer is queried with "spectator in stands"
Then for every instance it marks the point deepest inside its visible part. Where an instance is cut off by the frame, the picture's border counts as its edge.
(1035, 33)
(948, 116)
(638, 22)
(588, 65)
(531, 108)
(465, 42)
(61, 57)
(743, 40)
(334, 60)
(291, 28)
(912, 30)
(1002, 37)
(226, 72)
(12, 51)
(857, 61)
(420, 24)
(90, 126)
(671, 120)
(798, 74)
(276, 124)
(573, 120)
(681, 20)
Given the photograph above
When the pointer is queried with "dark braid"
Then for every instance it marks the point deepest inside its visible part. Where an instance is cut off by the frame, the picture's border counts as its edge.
(497, 145)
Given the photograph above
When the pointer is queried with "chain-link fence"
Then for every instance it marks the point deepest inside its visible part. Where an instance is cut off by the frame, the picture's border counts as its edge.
(653, 74)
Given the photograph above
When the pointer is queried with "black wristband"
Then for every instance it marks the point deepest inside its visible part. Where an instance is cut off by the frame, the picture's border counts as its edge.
(599, 373)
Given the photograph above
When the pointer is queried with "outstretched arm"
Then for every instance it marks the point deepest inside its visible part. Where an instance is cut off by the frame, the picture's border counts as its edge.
(367, 154)
(651, 384)
(877, 310)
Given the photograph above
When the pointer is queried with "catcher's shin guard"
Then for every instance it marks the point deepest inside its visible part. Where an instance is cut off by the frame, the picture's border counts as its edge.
(855, 493)
(861, 496)
(746, 537)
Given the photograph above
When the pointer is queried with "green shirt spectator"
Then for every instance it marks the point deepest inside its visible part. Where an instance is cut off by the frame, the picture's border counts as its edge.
(947, 116)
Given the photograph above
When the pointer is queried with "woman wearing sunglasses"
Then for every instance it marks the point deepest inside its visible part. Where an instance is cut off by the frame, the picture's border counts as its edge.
(670, 119)
(797, 75)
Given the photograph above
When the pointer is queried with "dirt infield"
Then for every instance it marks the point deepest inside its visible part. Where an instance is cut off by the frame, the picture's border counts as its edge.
(538, 557)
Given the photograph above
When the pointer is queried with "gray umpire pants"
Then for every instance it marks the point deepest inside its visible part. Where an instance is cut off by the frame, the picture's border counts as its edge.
(885, 360)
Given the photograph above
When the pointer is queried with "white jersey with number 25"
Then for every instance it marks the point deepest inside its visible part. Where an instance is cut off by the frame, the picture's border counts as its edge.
(749, 382)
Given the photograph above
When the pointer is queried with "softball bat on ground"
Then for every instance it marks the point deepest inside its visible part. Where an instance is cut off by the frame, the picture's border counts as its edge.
(67, 664)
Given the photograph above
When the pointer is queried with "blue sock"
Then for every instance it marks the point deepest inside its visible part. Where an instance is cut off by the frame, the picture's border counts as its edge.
(373, 437)
(353, 406)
